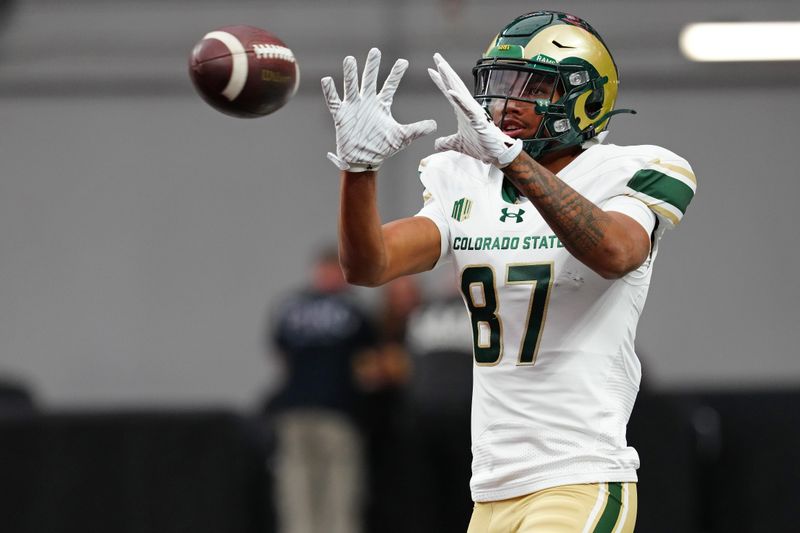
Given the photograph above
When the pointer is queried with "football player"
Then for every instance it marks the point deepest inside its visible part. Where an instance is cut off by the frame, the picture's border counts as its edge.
(553, 235)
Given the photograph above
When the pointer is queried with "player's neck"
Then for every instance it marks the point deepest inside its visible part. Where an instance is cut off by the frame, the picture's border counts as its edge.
(556, 161)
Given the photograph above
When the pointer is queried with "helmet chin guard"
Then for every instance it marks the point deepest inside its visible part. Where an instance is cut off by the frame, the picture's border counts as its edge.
(558, 64)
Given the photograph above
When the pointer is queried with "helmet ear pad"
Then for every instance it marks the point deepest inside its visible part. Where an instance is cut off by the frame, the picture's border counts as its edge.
(589, 98)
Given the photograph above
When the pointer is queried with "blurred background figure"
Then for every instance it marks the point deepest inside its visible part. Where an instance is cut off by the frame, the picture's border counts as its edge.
(384, 374)
(320, 331)
(15, 397)
(438, 339)
(385, 370)
(401, 298)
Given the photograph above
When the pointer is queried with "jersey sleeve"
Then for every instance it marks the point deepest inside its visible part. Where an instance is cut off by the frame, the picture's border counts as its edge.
(633, 208)
(666, 185)
(432, 208)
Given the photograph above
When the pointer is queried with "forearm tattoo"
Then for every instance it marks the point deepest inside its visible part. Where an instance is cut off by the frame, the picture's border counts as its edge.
(578, 223)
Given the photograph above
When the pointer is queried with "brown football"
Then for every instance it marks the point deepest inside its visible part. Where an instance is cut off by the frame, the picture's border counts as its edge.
(243, 71)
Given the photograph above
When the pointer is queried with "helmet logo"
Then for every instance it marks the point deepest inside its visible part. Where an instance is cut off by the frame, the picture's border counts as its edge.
(541, 58)
(510, 51)
(559, 45)
(575, 21)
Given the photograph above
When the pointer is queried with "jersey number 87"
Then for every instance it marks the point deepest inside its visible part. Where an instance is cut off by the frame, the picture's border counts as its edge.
(487, 328)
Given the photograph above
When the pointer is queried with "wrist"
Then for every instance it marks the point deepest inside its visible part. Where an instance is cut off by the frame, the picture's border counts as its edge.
(361, 167)
(509, 155)
(341, 164)
(357, 175)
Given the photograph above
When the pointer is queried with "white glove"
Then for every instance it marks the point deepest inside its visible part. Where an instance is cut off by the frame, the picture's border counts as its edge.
(366, 132)
(477, 135)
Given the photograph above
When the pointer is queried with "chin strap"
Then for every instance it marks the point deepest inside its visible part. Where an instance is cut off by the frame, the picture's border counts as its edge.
(537, 147)
(591, 131)
(597, 139)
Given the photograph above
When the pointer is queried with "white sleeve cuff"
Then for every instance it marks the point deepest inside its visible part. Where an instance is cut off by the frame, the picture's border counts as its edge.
(444, 232)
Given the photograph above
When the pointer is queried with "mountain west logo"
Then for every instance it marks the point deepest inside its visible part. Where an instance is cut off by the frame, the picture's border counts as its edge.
(516, 216)
(461, 209)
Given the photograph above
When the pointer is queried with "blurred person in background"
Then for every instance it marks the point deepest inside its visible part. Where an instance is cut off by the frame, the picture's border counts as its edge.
(385, 373)
(386, 369)
(320, 331)
(401, 297)
(16, 398)
(438, 340)
(553, 235)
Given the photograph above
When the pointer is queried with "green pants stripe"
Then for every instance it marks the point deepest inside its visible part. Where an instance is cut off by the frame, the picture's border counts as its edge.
(611, 513)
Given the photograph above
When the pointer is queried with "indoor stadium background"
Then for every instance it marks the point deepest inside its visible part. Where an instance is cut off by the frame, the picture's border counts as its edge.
(144, 237)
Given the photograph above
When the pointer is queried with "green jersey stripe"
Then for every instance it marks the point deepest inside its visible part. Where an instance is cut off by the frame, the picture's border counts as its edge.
(611, 512)
(663, 187)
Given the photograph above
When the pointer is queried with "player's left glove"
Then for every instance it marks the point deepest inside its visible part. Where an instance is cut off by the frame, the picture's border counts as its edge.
(366, 132)
(477, 135)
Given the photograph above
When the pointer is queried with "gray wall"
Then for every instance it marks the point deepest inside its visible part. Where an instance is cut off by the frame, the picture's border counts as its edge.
(144, 236)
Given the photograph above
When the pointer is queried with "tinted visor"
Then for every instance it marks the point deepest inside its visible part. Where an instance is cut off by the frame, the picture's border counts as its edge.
(515, 84)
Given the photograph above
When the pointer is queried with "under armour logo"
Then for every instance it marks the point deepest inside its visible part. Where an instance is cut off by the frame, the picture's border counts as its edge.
(517, 215)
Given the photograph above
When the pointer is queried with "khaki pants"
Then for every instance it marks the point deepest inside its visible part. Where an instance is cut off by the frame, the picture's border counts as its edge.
(319, 473)
(589, 508)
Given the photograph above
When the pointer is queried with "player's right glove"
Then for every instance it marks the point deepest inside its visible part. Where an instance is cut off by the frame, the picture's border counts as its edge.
(366, 132)
(477, 135)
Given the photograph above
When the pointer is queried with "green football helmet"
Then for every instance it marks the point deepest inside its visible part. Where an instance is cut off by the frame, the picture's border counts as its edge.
(557, 63)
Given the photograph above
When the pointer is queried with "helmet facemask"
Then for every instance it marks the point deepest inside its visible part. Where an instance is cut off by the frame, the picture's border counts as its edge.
(551, 90)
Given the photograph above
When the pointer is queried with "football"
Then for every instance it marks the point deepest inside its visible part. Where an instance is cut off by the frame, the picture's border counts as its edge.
(243, 71)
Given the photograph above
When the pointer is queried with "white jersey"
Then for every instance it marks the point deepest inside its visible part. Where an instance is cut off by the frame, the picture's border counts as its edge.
(555, 373)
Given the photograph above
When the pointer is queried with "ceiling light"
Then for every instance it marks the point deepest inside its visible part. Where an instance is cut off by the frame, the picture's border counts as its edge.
(741, 41)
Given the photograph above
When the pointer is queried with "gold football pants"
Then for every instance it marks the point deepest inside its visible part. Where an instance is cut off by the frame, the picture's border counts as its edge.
(587, 508)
